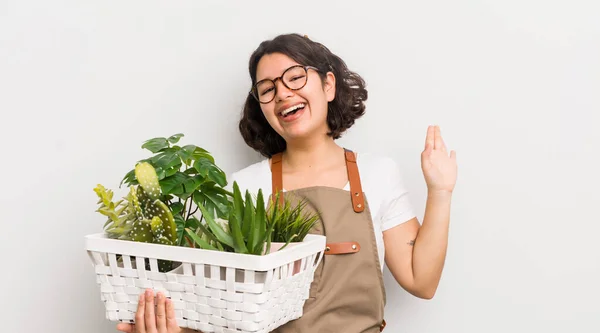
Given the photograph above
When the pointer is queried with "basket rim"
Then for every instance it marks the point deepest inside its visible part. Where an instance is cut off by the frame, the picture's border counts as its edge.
(312, 244)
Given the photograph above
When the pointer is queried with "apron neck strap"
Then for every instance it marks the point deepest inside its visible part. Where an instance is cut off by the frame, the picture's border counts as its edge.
(277, 177)
(356, 193)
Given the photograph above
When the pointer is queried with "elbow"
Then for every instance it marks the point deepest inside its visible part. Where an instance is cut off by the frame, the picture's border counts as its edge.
(426, 293)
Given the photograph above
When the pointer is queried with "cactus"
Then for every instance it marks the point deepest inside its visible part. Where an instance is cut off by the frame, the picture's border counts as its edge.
(148, 179)
(140, 216)
(149, 206)
(141, 231)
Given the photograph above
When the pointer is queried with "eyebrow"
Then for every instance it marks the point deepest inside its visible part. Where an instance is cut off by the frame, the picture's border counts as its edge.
(270, 78)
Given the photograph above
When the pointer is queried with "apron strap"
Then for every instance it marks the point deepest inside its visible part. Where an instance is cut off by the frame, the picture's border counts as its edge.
(277, 177)
(356, 193)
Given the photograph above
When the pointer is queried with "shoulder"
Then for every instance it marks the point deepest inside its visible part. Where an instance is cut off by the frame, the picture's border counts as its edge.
(381, 170)
(252, 177)
(383, 182)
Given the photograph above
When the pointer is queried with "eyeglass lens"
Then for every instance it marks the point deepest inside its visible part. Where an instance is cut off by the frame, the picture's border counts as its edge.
(293, 78)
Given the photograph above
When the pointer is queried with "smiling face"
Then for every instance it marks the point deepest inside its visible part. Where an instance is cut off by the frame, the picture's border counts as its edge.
(295, 114)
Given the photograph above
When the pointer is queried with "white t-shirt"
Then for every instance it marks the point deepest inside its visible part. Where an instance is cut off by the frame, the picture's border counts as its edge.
(381, 180)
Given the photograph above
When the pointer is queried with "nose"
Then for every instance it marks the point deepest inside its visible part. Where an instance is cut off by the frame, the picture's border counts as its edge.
(282, 92)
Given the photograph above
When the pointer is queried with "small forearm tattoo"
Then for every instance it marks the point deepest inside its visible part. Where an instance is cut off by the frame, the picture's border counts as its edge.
(411, 243)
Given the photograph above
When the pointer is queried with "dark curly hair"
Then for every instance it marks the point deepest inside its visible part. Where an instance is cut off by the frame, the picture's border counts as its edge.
(347, 106)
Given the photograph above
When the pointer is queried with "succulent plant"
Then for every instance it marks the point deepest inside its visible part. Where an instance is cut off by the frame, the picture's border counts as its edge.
(251, 229)
(151, 210)
(244, 231)
(148, 179)
(290, 222)
(141, 216)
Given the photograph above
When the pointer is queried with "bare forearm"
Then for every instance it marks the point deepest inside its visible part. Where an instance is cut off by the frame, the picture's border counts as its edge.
(430, 246)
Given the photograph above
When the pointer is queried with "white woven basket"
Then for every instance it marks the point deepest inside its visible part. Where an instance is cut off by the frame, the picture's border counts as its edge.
(212, 291)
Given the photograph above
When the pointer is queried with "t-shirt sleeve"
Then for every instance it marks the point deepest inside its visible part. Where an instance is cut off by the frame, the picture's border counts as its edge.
(396, 207)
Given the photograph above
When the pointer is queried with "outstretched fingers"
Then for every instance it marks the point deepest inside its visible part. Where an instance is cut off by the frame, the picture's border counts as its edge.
(429, 139)
(439, 142)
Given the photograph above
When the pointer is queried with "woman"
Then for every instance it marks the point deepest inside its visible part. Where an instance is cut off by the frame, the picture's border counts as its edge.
(303, 97)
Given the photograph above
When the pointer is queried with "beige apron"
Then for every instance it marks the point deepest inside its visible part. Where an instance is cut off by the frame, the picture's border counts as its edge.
(347, 294)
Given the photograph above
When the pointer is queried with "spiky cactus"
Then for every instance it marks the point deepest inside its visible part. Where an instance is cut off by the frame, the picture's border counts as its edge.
(141, 216)
(150, 209)
(148, 179)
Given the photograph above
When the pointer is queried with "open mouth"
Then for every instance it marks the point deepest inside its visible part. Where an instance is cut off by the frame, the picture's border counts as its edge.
(292, 110)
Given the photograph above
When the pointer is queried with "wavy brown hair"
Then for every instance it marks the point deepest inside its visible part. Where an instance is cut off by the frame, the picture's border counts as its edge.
(347, 106)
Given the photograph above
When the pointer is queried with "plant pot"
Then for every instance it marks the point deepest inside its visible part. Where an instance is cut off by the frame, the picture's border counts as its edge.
(212, 291)
(276, 246)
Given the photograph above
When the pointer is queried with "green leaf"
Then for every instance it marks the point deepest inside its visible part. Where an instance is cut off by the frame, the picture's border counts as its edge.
(166, 160)
(223, 192)
(268, 238)
(238, 239)
(202, 153)
(221, 234)
(207, 168)
(199, 241)
(180, 223)
(238, 202)
(160, 173)
(193, 223)
(192, 171)
(210, 207)
(129, 179)
(249, 216)
(220, 202)
(155, 145)
(176, 208)
(207, 232)
(257, 233)
(186, 153)
(175, 138)
(180, 184)
(212, 202)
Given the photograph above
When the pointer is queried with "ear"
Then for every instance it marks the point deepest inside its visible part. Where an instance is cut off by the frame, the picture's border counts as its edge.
(330, 86)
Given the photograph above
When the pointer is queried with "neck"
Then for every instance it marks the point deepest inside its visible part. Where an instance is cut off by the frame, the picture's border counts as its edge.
(310, 153)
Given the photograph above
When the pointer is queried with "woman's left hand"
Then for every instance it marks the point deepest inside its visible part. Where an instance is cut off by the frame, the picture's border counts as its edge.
(439, 167)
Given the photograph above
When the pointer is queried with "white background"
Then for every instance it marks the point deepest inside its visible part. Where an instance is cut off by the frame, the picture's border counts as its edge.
(515, 86)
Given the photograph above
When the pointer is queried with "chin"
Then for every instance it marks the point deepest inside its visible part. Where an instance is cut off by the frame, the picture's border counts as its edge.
(299, 133)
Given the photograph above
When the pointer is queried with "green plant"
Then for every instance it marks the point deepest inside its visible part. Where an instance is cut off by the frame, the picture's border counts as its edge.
(140, 216)
(250, 229)
(290, 223)
(246, 230)
(187, 177)
(166, 191)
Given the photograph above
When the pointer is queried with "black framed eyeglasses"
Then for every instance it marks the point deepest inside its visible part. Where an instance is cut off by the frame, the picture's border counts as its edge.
(293, 78)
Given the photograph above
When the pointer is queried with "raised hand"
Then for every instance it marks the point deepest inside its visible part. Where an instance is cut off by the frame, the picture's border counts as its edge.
(439, 167)
(151, 320)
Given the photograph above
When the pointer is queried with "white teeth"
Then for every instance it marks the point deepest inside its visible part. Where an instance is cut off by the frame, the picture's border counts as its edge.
(292, 108)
